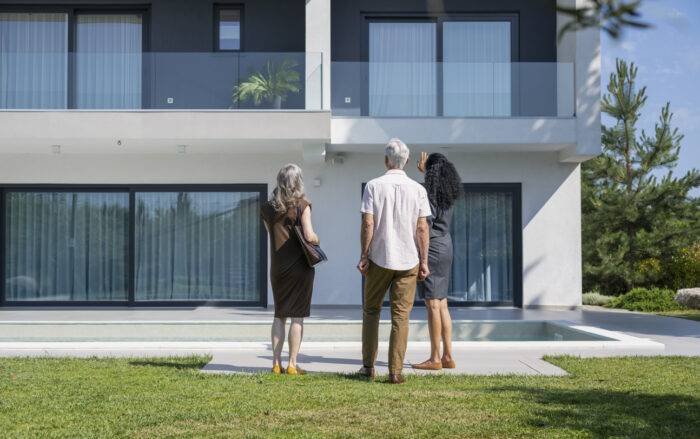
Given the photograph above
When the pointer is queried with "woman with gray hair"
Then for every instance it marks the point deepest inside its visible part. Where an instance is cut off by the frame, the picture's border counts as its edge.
(290, 275)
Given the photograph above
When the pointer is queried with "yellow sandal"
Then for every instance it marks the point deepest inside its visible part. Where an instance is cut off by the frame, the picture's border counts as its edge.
(295, 371)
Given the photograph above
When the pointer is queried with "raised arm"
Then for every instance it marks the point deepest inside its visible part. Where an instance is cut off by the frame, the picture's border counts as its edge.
(365, 238)
(423, 241)
(308, 228)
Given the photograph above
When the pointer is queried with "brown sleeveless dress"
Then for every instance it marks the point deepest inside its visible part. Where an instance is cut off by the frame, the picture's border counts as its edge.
(291, 277)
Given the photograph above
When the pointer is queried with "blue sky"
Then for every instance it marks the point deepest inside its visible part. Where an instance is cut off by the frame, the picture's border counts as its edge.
(668, 57)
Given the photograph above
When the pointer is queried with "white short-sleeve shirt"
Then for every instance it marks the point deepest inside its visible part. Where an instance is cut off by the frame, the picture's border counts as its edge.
(396, 201)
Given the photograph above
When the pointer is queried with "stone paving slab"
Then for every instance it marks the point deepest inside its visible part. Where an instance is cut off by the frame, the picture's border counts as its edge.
(349, 361)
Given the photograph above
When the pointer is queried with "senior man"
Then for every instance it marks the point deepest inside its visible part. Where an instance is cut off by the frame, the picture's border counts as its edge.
(394, 240)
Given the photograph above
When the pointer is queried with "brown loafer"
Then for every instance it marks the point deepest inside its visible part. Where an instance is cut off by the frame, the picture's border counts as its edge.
(449, 364)
(396, 379)
(427, 365)
(366, 372)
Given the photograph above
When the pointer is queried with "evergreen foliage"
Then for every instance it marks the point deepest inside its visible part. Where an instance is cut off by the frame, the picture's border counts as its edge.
(632, 221)
(611, 16)
(646, 300)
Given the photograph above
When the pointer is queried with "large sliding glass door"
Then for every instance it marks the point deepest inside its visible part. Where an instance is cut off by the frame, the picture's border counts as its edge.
(138, 245)
(197, 246)
(441, 65)
(66, 246)
(71, 59)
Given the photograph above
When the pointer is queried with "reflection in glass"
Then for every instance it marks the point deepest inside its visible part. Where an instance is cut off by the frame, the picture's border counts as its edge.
(229, 29)
(66, 246)
(197, 246)
(482, 233)
(33, 60)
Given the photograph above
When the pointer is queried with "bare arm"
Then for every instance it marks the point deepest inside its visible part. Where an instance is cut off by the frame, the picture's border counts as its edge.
(309, 234)
(366, 235)
(423, 241)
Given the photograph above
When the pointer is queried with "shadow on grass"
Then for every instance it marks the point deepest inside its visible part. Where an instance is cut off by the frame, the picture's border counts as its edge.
(172, 363)
(606, 413)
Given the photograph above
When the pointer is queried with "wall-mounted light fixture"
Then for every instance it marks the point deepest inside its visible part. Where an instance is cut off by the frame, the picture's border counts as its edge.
(181, 149)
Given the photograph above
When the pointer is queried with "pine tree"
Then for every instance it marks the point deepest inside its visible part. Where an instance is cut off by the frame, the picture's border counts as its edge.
(629, 216)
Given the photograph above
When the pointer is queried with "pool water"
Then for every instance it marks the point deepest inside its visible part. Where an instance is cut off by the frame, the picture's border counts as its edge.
(314, 331)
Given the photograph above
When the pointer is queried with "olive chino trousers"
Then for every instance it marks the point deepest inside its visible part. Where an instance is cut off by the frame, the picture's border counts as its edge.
(402, 292)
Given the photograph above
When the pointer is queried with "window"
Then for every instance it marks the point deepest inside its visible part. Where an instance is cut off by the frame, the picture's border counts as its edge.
(66, 246)
(402, 69)
(441, 65)
(33, 60)
(486, 234)
(98, 67)
(134, 245)
(228, 28)
(197, 246)
(108, 61)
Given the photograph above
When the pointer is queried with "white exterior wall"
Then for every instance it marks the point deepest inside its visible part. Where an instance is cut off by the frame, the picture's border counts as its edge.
(550, 204)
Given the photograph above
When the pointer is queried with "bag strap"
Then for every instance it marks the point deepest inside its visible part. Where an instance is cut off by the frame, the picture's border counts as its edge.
(299, 214)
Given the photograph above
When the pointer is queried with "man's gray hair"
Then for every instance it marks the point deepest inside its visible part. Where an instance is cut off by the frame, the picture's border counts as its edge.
(397, 153)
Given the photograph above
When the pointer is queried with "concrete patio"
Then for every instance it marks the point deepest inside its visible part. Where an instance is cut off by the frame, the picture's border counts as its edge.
(678, 336)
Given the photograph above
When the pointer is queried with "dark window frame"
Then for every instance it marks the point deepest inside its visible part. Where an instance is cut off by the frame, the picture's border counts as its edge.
(218, 7)
(131, 190)
(515, 189)
(72, 10)
(439, 19)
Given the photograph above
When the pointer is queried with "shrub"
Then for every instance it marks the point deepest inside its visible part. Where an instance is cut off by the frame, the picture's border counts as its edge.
(595, 299)
(647, 300)
(683, 271)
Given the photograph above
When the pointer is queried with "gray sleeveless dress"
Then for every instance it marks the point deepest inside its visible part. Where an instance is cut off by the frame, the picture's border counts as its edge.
(435, 286)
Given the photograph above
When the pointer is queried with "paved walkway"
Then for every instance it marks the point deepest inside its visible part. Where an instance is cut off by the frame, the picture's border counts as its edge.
(679, 336)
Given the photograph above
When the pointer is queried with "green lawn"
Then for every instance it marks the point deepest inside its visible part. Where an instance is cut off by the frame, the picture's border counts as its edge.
(690, 314)
(633, 397)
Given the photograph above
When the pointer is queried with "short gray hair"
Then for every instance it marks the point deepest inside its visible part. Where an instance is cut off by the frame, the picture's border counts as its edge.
(397, 153)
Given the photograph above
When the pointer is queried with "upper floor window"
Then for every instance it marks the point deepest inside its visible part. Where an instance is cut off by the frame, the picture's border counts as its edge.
(98, 66)
(451, 65)
(228, 28)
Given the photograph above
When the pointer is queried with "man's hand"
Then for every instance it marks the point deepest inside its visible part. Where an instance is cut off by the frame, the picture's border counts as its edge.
(363, 265)
(423, 271)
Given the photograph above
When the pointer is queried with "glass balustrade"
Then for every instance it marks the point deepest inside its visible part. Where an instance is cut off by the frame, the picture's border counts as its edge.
(452, 89)
(119, 80)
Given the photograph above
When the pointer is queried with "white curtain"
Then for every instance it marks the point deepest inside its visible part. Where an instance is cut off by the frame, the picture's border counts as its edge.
(198, 246)
(108, 65)
(33, 60)
(477, 69)
(482, 228)
(402, 69)
(67, 246)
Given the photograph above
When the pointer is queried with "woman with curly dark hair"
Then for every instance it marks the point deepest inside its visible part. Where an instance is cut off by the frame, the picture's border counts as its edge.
(444, 186)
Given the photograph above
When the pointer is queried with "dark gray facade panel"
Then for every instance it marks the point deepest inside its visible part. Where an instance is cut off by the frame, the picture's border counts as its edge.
(188, 25)
(537, 22)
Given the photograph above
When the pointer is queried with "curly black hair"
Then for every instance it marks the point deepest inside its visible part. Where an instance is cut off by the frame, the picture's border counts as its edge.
(442, 181)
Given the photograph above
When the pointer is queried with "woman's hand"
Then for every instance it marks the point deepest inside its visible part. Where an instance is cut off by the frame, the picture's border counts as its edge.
(420, 164)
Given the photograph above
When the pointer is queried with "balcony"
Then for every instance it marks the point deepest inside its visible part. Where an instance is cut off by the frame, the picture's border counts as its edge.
(85, 101)
(482, 105)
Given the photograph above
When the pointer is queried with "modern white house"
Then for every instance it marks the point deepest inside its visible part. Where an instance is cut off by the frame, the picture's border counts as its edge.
(129, 174)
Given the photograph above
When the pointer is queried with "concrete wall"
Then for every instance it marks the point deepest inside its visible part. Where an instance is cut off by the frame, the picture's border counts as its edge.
(550, 204)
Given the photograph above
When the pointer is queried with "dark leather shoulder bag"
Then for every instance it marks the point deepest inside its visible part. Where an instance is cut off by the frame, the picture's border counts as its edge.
(314, 254)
